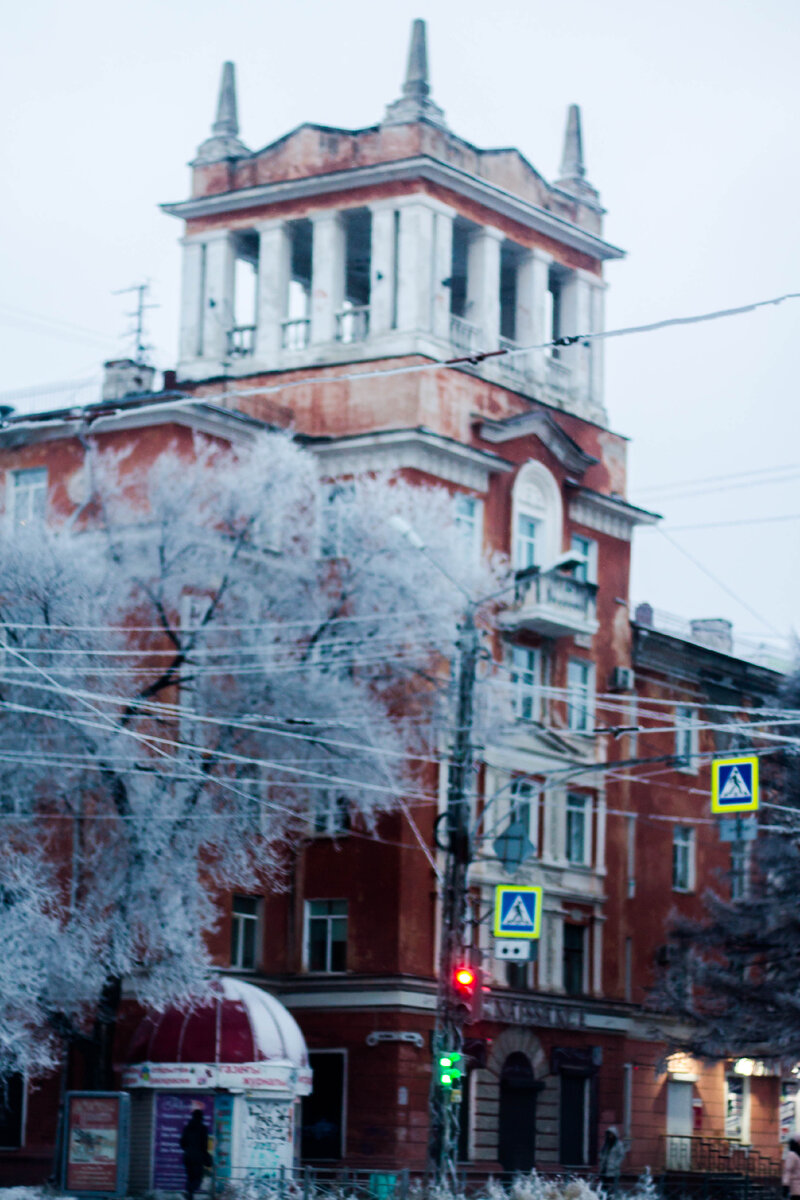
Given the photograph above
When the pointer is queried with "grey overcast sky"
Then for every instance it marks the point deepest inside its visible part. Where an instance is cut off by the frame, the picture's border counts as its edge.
(689, 111)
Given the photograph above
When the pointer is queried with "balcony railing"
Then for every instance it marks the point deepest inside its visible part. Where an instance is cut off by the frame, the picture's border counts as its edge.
(555, 604)
(515, 367)
(716, 1156)
(464, 336)
(558, 375)
(241, 341)
(352, 324)
(296, 333)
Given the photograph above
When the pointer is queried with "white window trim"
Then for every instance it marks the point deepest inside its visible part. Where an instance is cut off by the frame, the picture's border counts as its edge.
(11, 493)
(588, 806)
(537, 495)
(589, 705)
(472, 531)
(307, 935)
(690, 845)
(522, 691)
(256, 919)
(591, 555)
(532, 800)
(324, 804)
(687, 723)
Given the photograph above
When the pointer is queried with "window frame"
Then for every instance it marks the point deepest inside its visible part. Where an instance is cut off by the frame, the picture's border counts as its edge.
(525, 554)
(470, 524)
(584, 572)
(328, 917)
(575, 803)
(584, 958)
(584, 721)
(33, 518)
(330, 814)
(240, 923)
(686, 763)
(337, 498)
(683, 847)
(526, 694)
(521, 786)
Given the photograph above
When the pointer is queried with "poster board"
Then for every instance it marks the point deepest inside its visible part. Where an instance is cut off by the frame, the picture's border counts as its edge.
(95, 1161)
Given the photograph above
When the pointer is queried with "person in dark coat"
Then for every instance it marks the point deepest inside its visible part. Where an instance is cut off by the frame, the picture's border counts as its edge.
(612, 1152)
(194, 1144)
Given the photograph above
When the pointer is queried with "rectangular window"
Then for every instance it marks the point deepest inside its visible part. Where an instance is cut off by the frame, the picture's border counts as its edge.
(686, 717)
(631, 854)
(585, 572)
(574, 958)
(517, 975)
(469, 523)
(12, 1113)
(527, 529)
(335, 523)
(628, 968)
(682, 859)
(331, 813)
(580, 695)
(525, 681)
(244, 932)
(326, 935)
(524, 808)
(26, 498)
(577, 841)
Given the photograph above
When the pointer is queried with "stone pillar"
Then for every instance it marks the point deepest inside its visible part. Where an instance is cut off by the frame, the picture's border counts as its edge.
(414, 267)
(383, 265)
(327, 274)
(576, 317)
(483, 285)
(556, 953)
(600, 835)
(597, 954)
(596, 357)
(274, 271)
(442, 270)
(532, 309)
(220, 270)
(193, 299)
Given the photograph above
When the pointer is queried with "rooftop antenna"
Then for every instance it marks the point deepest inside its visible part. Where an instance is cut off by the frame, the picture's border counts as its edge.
(138, 331)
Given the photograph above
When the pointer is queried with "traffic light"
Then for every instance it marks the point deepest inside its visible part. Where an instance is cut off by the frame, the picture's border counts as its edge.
(450, 1069)
(467, 989)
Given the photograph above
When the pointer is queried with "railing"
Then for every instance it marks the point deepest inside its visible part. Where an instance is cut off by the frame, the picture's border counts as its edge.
(352, 324)
(241, 341)
(296, 334)
(464, 336)
(560, 591)
(517, 367)
(692, 1153)
(558, 375)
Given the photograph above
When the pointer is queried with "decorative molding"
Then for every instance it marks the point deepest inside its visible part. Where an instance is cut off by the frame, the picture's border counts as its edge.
(404, 170)
(410, 449)
(387, 1035)
(540, 425)
(609, 514)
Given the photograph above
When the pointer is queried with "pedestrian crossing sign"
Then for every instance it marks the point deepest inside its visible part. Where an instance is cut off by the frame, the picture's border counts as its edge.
(517, 912)
(734, 784)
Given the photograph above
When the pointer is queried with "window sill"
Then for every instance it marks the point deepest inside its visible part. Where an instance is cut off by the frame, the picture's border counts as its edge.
(683, 891)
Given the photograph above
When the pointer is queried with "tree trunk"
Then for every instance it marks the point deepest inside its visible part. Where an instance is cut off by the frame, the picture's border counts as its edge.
(100, 1051)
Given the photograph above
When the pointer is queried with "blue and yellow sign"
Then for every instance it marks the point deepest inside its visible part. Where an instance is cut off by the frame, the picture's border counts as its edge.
(517, 912)
(734, 784)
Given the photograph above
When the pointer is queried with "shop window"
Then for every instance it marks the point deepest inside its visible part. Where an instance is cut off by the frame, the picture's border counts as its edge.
(323, 1112)
(326, 935)
(244, 932)
(12, 1113)
(574, 959)
(26, 497)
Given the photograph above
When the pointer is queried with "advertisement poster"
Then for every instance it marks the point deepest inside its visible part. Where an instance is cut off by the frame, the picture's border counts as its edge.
(93, 1143)
(172, 1113)
(789, 1123)
(268, 1136)
(223, 1136)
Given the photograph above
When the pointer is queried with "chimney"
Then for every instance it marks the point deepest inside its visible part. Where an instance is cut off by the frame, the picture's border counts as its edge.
(644, 615)
(123, 377)
(714, 632)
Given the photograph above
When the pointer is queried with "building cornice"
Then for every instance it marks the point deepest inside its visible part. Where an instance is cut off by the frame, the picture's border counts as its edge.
(607, 514)
(472, 188)
(550, 434)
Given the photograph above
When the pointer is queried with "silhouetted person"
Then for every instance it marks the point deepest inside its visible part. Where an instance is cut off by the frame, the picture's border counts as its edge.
(194, 1144)
(610, 1159)
(791, 1169)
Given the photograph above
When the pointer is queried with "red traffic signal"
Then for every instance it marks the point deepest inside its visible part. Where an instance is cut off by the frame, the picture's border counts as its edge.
(467, 991)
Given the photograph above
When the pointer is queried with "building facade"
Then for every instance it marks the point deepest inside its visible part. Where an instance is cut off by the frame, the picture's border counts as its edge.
(326, 280)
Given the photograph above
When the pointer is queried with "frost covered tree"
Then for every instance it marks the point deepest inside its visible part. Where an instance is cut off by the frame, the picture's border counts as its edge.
(733, 978)
(190, 665)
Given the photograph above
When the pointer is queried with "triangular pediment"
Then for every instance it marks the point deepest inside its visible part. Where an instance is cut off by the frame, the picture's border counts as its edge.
(549, 433)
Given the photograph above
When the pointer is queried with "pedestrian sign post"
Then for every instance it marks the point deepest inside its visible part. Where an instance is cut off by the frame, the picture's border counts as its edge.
(734, 784)
(517, 912)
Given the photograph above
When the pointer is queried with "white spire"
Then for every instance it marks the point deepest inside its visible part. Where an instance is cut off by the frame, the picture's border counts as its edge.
(415, 103)
(224, 141)
(573, 169)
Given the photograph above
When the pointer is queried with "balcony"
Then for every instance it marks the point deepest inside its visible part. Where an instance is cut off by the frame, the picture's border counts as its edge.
(241, 341)
(465, 337)
(516, 368)
(554, 604)
(558, 376)
(296, 333)
(352, 324)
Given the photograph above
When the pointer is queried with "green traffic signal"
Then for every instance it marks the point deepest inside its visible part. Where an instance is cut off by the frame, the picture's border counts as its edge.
(449, 1068)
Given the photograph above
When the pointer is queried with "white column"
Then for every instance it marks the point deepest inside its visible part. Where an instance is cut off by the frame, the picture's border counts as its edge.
(414, 267)
(483, 285)
(556, 956)
(192, 300)
(327, 274)
(442, 270)
(598, 324)
(600, 835)
(576, 317)
(532, 308)
(383, 281)
(274, 270)
(220, 268)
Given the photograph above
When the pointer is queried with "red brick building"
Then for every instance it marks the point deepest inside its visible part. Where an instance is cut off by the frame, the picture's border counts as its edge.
(313, 270)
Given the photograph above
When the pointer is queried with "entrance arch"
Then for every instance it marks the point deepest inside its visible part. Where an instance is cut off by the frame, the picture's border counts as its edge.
(517, 1117)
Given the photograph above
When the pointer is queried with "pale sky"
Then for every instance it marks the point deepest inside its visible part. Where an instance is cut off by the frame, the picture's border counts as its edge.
(689, 133)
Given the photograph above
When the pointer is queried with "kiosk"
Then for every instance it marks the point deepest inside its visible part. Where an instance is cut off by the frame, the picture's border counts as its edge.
(242, 1061)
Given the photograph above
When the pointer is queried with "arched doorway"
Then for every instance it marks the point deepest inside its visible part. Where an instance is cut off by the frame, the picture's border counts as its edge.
(517, 1136)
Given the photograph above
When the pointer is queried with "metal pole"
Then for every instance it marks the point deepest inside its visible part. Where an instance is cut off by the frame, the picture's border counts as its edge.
(445, 1103)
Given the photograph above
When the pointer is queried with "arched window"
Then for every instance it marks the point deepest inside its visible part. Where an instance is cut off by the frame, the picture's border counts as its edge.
(536, 515)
